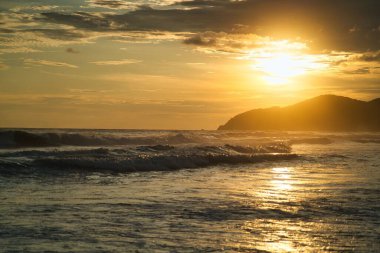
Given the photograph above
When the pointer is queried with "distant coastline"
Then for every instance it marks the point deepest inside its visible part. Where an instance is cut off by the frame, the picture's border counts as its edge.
(322, 113)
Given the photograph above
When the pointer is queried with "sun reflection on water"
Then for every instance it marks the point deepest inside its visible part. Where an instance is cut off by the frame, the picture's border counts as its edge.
(277, 189)
(282, 179)
(292, 209)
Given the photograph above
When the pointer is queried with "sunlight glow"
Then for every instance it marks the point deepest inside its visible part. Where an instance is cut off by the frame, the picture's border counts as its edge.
(282, 179)
(280, 68)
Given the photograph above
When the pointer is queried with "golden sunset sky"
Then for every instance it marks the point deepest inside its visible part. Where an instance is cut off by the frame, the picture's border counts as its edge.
(179, 64)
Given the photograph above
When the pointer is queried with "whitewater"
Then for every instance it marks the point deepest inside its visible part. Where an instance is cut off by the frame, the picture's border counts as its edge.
(72, 190)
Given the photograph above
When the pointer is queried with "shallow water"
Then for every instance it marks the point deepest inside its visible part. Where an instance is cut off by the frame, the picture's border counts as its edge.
(327, 200)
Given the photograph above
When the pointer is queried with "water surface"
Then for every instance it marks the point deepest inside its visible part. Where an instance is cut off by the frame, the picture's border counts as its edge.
(325, 200)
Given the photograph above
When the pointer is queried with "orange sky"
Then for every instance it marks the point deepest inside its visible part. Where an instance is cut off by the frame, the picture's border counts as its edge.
(179, 64)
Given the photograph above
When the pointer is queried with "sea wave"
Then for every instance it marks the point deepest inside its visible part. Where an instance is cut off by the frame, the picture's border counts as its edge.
(21, 139)
(157, 163)
(143, 158)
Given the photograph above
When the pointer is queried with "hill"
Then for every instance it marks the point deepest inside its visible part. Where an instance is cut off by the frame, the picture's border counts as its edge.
(322, 113)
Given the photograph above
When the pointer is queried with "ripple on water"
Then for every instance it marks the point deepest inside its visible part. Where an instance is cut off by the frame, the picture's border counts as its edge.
(285, 206)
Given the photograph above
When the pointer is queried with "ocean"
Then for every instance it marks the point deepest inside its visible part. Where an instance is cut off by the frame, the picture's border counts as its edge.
(70, 190)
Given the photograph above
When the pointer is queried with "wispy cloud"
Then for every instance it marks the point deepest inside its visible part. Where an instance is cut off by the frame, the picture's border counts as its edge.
(352, 63)
(13, 50)
(239, 42)
(34, 62)
(116, 62)
(128, 4)
(113, 4)
(35, 8)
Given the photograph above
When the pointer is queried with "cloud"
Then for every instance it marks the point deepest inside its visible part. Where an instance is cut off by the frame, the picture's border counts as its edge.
(147, 37)
(48, 63)
(313, 20)
(128, 4)
(26, 30)
(359, 71)
(239, 43)
(113, 4)
(30, 32)
(60, 34)
(35, 8)
(204, 39)
(353, 63)
(116, 62)
(370, 56)
(83, 20)
(6, 30)
(71, 50)
(13, 50)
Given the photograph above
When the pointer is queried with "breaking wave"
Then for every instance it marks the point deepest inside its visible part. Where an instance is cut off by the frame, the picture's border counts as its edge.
(157, 163)
(142, 158)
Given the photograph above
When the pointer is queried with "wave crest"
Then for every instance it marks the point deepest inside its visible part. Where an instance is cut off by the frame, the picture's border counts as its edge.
(20, 139)
(156, 163)
(144, 158)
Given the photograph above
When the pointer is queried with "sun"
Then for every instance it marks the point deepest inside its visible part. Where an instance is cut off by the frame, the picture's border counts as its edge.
(280, 68)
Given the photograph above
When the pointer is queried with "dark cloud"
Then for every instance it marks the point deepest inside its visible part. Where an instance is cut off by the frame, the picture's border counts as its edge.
(370, 57)
(232, 42)
(202, 39)
(81, 20)
(5, 30)
(59, 34)
(327, 23)
(71, 50)
(359, 71)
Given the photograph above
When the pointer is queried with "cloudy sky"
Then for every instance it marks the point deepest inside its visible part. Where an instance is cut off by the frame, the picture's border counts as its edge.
(179, 64)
